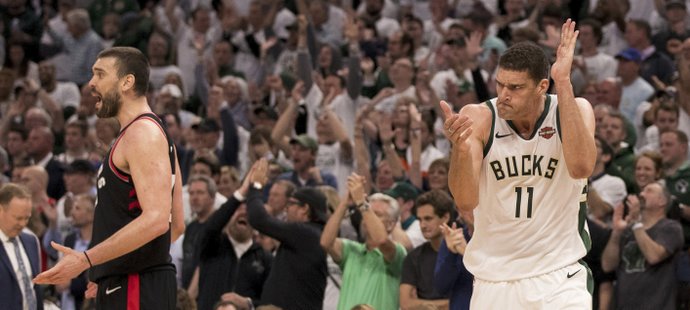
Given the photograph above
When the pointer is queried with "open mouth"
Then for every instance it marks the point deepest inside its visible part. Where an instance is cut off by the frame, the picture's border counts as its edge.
(98, 96)
(242, 222)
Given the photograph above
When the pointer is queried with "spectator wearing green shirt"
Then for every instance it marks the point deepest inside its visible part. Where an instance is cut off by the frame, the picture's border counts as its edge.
(371, 270)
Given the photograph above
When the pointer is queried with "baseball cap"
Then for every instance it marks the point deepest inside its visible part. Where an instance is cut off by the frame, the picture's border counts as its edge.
(171, 89)
(316, 201)
(403, 190)
(675, 3)
(206, 125)
(305, 141)
(266, 110)
(80, 166)
(630, 54)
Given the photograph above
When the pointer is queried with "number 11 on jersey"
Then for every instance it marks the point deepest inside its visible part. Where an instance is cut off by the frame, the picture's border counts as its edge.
(518, 201)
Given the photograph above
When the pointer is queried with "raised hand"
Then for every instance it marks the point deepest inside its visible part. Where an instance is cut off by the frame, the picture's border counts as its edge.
(355, 186)
(455, 239)
(560, 70)
(456, 127)
(259, 172)
(618, 223)
(474, 44)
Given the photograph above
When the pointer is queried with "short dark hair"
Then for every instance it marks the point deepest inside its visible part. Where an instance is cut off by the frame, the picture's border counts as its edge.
(644, 26)
(208, 159)
(132, 61)
(175, 116)
(680, 135)
(596, 28)
(10, 191)
(23, 133)
(668, 106)
(526, 57)
(439, 200)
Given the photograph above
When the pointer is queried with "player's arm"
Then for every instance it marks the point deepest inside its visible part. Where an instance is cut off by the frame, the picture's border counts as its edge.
(466, 131)
(177, 223)
(144, 149)
(576, 115)
(410, 300)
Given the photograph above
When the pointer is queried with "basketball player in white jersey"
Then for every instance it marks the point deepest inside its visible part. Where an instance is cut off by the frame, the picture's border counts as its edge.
(521, 162)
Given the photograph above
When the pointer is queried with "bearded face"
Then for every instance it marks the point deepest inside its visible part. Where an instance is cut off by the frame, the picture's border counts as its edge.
(109, 104)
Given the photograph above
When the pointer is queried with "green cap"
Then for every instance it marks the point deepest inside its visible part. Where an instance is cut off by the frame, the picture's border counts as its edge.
(403, 190)
(306, 141)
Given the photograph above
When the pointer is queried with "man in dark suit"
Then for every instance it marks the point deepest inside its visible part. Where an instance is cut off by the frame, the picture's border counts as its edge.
(40, 148)
(19, 253)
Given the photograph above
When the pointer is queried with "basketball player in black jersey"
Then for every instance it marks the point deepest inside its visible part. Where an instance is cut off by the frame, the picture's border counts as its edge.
(139, 206)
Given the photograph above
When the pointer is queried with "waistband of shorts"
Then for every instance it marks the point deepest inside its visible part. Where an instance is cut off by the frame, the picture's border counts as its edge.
(577, 263)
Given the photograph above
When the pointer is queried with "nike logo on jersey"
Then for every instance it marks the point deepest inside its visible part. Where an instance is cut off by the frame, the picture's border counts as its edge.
(499, 136)
(112, 290)
(572, 275)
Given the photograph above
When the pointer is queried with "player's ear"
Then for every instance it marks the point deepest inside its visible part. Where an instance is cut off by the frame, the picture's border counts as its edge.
(543, 86)
(128, 82)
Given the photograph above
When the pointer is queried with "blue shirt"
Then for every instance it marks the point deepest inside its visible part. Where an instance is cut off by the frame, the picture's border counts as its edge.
(451, 277)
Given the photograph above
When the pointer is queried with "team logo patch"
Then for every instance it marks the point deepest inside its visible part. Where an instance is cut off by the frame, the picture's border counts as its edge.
(547, 132)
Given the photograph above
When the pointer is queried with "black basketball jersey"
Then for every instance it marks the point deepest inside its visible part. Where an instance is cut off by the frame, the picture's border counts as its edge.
(117, 205)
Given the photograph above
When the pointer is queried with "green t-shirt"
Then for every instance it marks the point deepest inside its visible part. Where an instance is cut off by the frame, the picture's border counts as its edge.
(368, 279)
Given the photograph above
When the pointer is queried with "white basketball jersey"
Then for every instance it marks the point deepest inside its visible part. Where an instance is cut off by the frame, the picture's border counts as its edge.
(531, 214)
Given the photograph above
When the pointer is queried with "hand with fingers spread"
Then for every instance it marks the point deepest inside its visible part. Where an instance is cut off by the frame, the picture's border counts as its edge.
(71, 265)
(456, 127)
(560, 70)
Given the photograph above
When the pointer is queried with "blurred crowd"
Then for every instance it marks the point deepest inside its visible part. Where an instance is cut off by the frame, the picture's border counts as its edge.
(340, 97)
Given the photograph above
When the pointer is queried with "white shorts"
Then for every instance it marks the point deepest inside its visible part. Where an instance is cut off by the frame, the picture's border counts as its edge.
(566, 288)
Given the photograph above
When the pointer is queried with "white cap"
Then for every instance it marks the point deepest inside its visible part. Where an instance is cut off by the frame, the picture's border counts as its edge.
(171, 89)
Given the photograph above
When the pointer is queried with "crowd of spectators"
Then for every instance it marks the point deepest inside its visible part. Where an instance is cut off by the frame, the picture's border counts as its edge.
(288, 115)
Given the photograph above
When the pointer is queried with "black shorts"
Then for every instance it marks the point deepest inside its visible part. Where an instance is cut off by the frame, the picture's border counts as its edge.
(155, 289)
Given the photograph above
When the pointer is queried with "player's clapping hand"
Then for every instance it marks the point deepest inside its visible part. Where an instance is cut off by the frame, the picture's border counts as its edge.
(455, 239)
(560, 70)
(456, 127)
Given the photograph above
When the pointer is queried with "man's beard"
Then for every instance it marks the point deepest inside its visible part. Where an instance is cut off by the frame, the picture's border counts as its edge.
(110, 105)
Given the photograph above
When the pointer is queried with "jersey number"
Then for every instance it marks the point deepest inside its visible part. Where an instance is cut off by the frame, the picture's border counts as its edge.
(518, 201)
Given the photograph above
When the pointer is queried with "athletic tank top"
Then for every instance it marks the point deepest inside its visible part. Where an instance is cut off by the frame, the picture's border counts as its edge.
(117, 205)
(531, 214)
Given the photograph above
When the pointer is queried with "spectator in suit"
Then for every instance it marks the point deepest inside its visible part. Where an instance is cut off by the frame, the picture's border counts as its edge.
(16, 290)
(40, 149)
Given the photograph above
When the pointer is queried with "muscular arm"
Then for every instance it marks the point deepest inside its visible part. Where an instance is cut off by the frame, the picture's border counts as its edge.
(177, 225)
(466, 156)
(143, 151)
(576, 115)
(577, 134)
